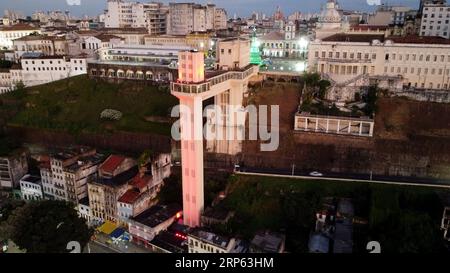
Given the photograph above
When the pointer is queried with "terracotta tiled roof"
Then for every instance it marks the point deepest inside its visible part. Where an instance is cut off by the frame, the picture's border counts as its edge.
(420, 40)
(140, 182)
(354, 38)
(129, 197)
(18, 27)
(273, 36)
(112, 163)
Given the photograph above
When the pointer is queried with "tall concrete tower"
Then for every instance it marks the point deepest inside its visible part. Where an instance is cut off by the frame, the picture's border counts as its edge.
(191, 71)
(192, 88)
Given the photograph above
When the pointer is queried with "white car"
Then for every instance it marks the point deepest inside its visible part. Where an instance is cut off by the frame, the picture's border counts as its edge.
(316, 174)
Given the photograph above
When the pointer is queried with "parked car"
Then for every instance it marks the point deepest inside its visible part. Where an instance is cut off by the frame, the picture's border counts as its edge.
(316, 174)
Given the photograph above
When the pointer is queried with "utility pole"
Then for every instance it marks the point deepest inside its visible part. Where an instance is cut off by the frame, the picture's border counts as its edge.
(293, 169)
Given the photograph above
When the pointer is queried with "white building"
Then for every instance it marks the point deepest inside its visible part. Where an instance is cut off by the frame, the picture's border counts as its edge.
(9, 33)
(119, 14)
(152, 16)
(201, 241)
(421, 62)
(185, 18)
(38, 69)
(62, 179)
(233, 53)
(31, 188)
(330, 20)
(46, 45)
(285, 44)
(84, 211)
(435, 20)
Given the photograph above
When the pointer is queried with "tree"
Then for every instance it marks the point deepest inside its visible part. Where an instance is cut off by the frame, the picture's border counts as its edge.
(171, 192)
(46, 227)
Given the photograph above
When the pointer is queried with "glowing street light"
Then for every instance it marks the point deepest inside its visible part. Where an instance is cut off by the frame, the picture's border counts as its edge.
(303, 43)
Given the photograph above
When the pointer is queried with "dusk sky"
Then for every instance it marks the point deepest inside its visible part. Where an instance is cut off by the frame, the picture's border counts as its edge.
(241, 7)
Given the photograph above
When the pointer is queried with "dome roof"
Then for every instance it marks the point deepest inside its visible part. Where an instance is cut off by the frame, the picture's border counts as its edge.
(330, 13)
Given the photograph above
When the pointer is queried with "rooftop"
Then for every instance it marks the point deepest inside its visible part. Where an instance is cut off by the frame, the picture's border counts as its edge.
(130, 196)
(31, 179)
(107, 37)
(85, 162)
(119, 179)
(212, 238)
(18, 27)
(141, 182)
(84, 201)
(112, 163)
(39, 37)
(354, 38)
(273, 36)
(158, 214)
(368, 38)
(268, 241)
(71, 152)
(170, 242)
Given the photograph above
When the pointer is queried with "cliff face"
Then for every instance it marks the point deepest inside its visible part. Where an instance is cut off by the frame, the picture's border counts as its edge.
(411, 139)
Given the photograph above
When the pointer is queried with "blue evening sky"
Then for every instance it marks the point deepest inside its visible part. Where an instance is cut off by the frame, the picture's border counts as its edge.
(240, 7)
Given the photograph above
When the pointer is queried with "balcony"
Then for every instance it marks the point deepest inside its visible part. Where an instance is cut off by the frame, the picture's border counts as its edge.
(197, 88)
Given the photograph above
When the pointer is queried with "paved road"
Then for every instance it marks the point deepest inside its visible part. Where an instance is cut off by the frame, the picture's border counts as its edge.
(392, 180)
(94, 247)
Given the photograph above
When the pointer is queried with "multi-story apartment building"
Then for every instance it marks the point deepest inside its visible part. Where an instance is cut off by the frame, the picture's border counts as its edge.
(387, 15)
(435, 20)
(152, 16)
(10, 33)
(119, 14)
(61, 179)
(78, 174)
(47, 45)
(185, 18)
(202, 241)
(39, 69)
(420, 62)
(12, 168)
(220, 19)
(144, 227)
(285, 44)
(144, 187)
(31, 188)
(111, 183)
(233, 53)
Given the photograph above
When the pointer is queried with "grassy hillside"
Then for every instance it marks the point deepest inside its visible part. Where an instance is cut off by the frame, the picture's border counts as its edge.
(75, 105)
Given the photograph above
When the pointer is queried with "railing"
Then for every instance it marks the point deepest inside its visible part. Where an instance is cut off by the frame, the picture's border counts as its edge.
(196, 88)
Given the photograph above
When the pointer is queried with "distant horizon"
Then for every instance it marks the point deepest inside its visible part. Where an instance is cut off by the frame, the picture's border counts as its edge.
(242, 8)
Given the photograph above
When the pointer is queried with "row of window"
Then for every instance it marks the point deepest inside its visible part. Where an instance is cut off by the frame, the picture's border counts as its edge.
(54, 69)
(418, 71)
(203, 246)
(30, 186)
(345, 55)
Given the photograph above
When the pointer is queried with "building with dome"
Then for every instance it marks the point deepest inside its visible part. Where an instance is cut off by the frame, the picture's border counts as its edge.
(330, 20)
